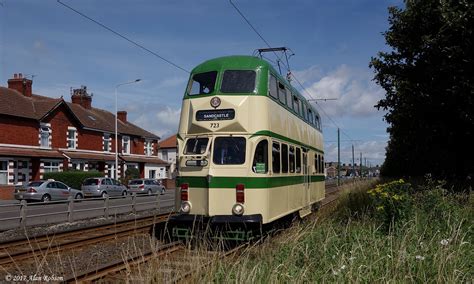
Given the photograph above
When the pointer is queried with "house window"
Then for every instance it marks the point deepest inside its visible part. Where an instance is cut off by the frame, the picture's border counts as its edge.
(51, 167)
(126, 145)
(106, 142)
(45, 132)
(164, 155)
(148, 148)
(3, 172)
(71, 138)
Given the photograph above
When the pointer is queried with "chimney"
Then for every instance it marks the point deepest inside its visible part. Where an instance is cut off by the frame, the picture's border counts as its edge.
(21, 84)
(122, 116)
(81, 97)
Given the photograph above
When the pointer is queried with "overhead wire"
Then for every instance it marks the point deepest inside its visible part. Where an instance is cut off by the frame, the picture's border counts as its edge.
(279, 60)
(124, 37)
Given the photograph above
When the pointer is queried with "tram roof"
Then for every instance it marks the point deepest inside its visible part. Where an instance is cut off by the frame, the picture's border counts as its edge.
(245, 62)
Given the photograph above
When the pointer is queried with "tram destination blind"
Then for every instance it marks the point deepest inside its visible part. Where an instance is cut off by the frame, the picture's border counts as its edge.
(218, 114)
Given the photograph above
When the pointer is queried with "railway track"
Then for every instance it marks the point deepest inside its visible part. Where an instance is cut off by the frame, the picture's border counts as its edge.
(17, 251)
(173, 263)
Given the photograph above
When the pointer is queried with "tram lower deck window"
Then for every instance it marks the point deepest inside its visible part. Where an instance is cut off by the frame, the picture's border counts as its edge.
(229, 151)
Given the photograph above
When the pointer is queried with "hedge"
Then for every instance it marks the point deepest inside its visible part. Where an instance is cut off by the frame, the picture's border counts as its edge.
(73, 179)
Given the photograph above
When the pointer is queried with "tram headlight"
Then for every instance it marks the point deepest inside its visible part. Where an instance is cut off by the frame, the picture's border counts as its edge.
(185, 207)
(238, 209)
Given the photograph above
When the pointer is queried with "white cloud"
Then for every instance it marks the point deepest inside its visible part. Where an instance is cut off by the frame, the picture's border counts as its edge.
(354, 90)
(163, 123)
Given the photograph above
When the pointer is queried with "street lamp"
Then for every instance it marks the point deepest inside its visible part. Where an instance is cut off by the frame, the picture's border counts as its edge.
(116, 123)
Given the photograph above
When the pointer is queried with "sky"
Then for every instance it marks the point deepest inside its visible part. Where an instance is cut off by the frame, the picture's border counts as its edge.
(333, 42)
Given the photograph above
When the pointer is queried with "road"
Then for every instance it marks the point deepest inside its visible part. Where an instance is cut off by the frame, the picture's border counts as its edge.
(41, 213)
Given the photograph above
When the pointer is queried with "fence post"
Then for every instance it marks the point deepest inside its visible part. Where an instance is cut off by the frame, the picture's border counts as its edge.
(106, 207)
(158, 202)
(70, 209)
(134, 203)
(23, 210)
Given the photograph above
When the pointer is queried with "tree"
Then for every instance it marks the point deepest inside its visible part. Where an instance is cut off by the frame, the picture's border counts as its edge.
(428, 78)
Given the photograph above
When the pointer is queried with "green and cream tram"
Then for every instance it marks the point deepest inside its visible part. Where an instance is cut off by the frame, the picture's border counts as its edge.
(250, 147)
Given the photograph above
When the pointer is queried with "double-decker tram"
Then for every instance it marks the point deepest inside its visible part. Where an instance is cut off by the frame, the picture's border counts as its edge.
(250, 149)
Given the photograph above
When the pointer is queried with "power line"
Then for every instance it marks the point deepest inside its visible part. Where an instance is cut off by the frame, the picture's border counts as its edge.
(124, 37)
(296, 79)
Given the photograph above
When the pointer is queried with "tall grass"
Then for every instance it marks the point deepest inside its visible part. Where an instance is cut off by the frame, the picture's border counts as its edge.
(433, 243)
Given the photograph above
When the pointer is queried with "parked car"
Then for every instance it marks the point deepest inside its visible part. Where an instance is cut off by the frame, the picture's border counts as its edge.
(46, 190)
(102, 187)
(146, 186)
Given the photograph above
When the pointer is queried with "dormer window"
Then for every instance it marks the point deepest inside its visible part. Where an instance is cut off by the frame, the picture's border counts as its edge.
(45, 135)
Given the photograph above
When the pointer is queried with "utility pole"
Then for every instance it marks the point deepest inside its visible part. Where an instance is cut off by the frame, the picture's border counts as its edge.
(353, 165)
(360, 164)
(338, 158)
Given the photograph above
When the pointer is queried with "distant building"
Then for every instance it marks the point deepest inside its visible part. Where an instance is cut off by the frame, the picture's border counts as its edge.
(167, 152)
(41, 134)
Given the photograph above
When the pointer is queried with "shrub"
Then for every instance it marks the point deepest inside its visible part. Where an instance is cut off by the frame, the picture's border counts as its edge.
(392, 202)
(73, 179)
(130, 173)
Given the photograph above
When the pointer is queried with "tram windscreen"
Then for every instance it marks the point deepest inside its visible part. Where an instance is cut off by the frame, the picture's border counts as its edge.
(196, 146)
(229, 151)
(202, 83)
(238, 81)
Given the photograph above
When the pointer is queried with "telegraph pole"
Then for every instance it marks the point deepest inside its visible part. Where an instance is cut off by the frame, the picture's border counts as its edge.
(338, 158)
(360, 164)
(353, 165)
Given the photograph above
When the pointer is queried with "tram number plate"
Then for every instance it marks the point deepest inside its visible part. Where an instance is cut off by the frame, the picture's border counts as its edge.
(217, 114)
(214, 125)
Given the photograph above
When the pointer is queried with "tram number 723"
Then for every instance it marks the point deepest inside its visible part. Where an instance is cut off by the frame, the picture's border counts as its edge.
(214, 125)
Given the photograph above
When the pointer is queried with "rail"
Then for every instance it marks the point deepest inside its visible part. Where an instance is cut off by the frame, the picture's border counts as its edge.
(24, 214)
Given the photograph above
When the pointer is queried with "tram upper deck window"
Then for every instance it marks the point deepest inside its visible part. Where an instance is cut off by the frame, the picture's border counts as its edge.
(282, 93)
(229, 151)
(238, 81)
(196, 146)
(273, 87)
(202, 83)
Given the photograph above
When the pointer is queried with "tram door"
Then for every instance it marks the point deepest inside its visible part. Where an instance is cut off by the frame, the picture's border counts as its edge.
(307, 179)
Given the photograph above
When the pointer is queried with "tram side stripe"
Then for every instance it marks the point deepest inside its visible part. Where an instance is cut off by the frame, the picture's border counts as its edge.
(248, 182)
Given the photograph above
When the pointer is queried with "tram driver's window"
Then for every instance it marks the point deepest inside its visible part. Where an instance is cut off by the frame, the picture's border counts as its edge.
(202, 83)
(260, 159)
(229, 151)
(276, 157)
(196, 146)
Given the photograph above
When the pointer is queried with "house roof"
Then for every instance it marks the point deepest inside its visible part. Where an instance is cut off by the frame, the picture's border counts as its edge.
(169, 142)
(23, 152)
(90, 156)
(13, 103)
(35, 107)
(143, 159)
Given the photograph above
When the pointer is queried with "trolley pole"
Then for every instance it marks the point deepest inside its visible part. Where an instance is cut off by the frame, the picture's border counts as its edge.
(338, 158)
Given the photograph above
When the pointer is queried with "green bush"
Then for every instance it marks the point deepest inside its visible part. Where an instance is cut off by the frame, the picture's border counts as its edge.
(392, 202)
(73, 179)
(130, 173)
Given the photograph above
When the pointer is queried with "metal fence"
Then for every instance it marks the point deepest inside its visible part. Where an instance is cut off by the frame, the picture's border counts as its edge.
(23, 214)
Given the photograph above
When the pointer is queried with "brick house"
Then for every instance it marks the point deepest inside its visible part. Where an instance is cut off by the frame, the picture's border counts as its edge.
(168, 149)
(41, 134)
